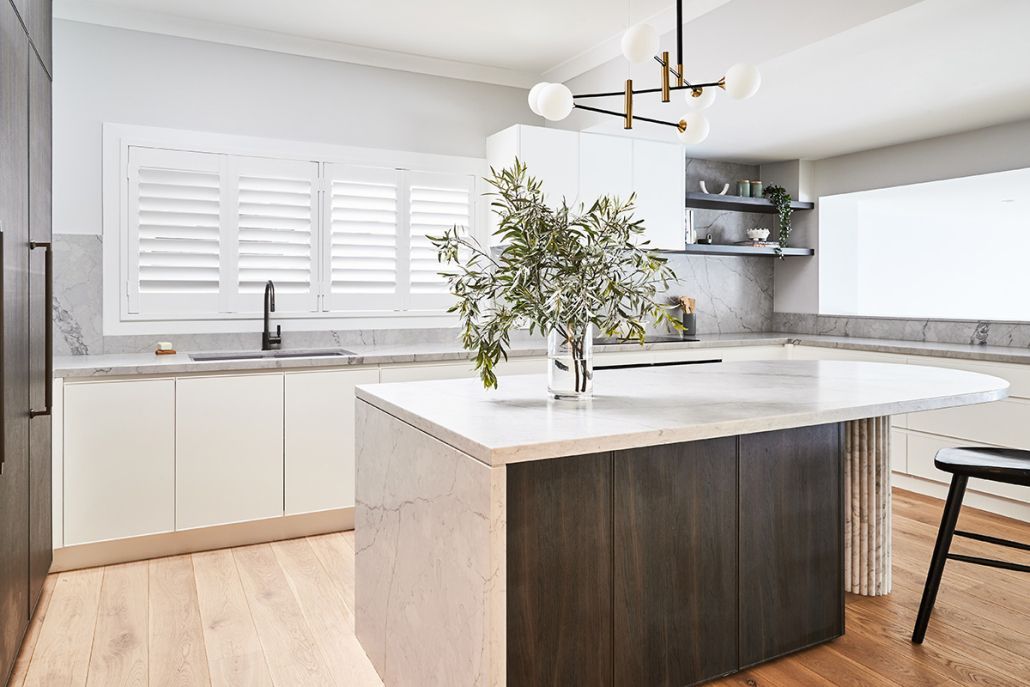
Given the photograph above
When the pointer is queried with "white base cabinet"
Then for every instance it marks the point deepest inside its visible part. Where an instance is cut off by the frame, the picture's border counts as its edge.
(229, 449)
(119, 460)
(319, 438)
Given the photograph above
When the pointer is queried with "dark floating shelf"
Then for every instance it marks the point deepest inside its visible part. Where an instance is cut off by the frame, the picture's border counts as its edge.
(713, 201)
(720, 249)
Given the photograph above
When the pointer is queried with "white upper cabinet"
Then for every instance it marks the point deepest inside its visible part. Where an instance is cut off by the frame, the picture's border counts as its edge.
(605, 167)
(551, 155)
(659, 178)
(582, 166)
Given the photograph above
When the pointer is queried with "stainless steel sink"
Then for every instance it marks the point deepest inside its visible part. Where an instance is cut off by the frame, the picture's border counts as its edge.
(275, 355)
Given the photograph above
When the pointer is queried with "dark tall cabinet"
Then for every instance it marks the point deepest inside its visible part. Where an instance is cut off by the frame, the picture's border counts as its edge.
(25, 345)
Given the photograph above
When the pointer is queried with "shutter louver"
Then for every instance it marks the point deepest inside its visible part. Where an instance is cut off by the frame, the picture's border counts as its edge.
(178, 231)
(275, 234)
(433, 209)
(364, 237)
(202, 233)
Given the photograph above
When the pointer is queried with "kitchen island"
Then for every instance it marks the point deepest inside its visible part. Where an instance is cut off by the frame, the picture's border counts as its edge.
(685, 523)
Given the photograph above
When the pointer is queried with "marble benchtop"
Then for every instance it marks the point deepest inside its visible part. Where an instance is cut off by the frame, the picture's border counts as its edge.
(663, 405)
(416, 352)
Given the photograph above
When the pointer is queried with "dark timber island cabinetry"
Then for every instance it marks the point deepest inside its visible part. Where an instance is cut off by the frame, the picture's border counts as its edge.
(684, 524)
(675, 564)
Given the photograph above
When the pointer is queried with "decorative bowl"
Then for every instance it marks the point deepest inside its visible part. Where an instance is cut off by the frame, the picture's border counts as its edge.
(758, 234)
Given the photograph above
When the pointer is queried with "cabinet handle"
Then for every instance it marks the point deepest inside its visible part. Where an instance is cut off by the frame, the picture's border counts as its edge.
(48, 294)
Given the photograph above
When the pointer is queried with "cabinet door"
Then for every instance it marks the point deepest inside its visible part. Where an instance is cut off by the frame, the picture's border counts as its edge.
(552, 155)
(559, 556)
(675, 604)
(791, 567)
(659, 177)
(40, 429)
(605, 167)
(39, 20)
(14, 476)
(119, 459)
(319, 438)
(229, 449)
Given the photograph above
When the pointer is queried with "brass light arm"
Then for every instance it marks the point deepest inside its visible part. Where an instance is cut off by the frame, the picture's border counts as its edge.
(640, 91)
(679, 125)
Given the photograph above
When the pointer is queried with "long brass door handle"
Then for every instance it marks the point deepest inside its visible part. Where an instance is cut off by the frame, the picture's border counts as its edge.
(48, 328)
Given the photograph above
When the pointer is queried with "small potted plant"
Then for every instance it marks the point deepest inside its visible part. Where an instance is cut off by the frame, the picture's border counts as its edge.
(565, 272)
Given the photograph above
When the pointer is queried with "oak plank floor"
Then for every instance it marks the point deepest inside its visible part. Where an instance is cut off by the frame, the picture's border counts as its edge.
(282, 614)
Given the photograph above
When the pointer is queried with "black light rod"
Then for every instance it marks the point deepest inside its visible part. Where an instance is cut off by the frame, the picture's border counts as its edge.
(623, 114)
(647, 90)
(672, 71)
(679, 32)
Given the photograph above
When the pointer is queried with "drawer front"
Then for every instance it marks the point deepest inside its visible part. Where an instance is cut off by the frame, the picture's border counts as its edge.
(1000, 423)
(899, 451)
(921, 451)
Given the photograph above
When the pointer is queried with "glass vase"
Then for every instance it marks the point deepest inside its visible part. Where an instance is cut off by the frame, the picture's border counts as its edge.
(570, 364)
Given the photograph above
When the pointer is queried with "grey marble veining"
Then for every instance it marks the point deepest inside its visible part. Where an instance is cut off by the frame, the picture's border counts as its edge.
(78, 283)
(666, 405)
(365, 354)
(982, 332)
(734, 294)
(429, 558)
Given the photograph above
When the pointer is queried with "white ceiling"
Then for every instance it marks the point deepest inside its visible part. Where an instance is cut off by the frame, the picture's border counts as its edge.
(838, 75)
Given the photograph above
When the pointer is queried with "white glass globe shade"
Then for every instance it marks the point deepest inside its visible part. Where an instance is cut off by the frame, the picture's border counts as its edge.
(697, 128)
(742, 81)
(640, 43)
(701, 102)
(534, 96)
(555, 101)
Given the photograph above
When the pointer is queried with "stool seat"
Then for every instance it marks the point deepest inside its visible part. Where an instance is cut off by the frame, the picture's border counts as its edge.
(996, 464)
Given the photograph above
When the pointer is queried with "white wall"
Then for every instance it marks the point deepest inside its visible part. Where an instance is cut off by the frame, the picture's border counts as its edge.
(993, 149)
(103, 74)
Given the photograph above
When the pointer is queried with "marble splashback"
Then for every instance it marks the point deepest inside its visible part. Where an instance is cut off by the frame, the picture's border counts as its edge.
(983, 332)
(733, 294)
(78, 327)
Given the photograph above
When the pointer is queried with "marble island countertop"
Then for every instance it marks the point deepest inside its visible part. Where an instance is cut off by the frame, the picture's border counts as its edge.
(650, 406)
(420, 352)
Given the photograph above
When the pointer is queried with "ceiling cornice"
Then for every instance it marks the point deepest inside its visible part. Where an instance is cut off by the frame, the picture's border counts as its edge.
(94, 12)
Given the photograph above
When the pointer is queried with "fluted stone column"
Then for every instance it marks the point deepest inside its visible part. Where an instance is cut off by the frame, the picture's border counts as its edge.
(867, 515)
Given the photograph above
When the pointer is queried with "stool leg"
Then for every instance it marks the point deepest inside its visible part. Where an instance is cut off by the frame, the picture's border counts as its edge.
(940, 552)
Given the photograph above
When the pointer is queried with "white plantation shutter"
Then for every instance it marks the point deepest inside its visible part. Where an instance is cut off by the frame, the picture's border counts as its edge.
(436, 202)
(276, 220)
(364, 238)
(204, 232)
(175, 218)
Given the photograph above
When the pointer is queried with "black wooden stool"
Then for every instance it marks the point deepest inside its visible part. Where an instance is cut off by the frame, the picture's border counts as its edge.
(995, 464)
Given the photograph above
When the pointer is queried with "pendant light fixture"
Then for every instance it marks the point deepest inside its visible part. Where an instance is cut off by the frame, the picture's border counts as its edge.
(554, 101)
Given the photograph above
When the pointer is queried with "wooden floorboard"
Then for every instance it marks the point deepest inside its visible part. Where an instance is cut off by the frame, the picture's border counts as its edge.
(283, 615)
(120, 653)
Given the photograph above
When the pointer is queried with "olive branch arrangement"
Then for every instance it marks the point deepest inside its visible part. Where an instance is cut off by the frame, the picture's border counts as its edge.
(556, 269)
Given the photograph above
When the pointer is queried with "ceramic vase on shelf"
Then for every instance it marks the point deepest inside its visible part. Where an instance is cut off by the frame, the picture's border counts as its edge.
(570, 364)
